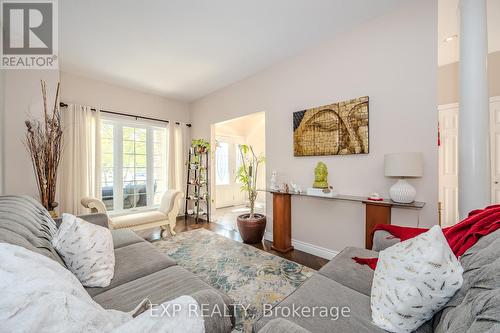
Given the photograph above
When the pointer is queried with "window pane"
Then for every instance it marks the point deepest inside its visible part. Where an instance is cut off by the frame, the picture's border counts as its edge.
(107, 196)
(222, 164)
(141, 161)
(107, 160)
(128, 160)
(159, 135)
(140, 148)
(140, 134)
(141, 174)
(159, 189)
(107, 192)
(128, 133)
(128, 175)
(128, 147)
(159, 164)
(107, 130)
(107, 145)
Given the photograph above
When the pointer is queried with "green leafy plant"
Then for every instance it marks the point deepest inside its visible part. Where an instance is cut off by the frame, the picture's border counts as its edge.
(247, 174)
(201, 145)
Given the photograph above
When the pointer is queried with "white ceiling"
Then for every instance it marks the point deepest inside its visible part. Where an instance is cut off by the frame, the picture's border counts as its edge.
(185, 49)
(449, 25)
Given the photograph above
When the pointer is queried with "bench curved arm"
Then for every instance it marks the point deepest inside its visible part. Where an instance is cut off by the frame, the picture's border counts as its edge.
(170, 204)
(95, 205)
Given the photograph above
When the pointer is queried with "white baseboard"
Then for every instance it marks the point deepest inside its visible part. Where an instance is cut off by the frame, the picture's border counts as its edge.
(307, 247)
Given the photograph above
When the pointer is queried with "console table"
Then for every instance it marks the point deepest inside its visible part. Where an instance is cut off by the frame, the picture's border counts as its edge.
(377, 212)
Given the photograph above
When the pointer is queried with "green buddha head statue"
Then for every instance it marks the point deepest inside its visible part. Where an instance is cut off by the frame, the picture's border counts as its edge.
(321, 176)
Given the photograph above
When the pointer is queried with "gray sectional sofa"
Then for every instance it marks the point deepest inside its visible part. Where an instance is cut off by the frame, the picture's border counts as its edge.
(141, 271)
(475, 308)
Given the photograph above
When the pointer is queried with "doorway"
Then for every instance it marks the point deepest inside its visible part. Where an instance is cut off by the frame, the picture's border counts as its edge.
(227, 137)
(448, 159)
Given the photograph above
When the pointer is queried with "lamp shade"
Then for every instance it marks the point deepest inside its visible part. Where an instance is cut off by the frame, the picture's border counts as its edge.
(404, 165)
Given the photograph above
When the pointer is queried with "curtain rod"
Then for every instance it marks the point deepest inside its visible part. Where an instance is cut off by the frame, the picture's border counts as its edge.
(63, 105)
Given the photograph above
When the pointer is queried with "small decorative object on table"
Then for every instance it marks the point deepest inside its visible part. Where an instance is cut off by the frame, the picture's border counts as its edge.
(273, 184)
(375, 197)
(296, 187)
(320, 187)
(251, 226)
(321, 176)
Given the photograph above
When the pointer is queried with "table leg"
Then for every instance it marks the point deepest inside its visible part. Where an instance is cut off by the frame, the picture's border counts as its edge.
(282, 222)
(376, 213)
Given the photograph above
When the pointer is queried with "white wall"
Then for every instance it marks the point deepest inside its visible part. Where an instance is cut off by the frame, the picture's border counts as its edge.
(23, 100)
(393, 59)
(2, 129)
(85, 91)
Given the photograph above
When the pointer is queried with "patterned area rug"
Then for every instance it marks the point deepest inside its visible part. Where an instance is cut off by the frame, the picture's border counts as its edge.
(251, 277)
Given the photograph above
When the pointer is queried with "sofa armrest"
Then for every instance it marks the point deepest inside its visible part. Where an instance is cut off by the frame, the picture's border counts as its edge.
(280, 325)
(383, 239)
(97, 219)
(218, 315)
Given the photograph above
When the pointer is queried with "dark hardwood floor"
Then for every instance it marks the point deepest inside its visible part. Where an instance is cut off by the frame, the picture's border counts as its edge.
(297, 256)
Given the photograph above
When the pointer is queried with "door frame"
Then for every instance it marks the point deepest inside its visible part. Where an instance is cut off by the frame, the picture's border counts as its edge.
(444, 107)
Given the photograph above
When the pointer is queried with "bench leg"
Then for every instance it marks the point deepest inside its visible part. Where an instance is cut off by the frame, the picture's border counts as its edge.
(171, 228)
(167, 229)
(164, 231)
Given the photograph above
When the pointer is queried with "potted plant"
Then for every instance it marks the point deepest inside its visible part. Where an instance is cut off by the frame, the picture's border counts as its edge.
(250, 225)
(201, 146)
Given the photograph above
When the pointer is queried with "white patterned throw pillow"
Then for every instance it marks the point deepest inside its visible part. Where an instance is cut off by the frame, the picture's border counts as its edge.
(413, 280)
(87, 250)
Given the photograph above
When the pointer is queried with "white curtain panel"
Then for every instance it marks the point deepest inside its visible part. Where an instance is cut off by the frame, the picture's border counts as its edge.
(178, 149)
(81, 160)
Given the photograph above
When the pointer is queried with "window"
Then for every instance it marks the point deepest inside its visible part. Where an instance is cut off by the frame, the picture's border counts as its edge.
(222, 163)
(133, 164)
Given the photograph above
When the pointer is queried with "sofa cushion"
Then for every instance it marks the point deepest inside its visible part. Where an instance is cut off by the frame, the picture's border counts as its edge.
(159, 287)
(413, 280)
(476, 307)
(322, 291)
(280, 325)
(124, 237)
(343, 269)
(25, 222)
(87, 250)
(135, 261)
(218, 316)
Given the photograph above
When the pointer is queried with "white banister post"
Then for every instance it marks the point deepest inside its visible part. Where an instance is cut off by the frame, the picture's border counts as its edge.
(474, 154)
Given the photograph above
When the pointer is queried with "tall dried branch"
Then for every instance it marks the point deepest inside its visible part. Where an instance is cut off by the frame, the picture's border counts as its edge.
(44, 144)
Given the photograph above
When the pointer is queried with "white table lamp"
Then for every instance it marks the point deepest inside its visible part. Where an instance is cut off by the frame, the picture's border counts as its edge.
(403, 165)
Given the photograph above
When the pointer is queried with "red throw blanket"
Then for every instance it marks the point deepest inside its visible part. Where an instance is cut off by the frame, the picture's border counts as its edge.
(460, 237)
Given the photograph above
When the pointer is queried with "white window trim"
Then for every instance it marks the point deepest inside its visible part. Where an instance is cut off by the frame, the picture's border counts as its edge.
(118, 124)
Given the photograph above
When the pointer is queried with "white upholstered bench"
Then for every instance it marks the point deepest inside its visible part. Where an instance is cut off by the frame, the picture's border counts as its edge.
(165, 217)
